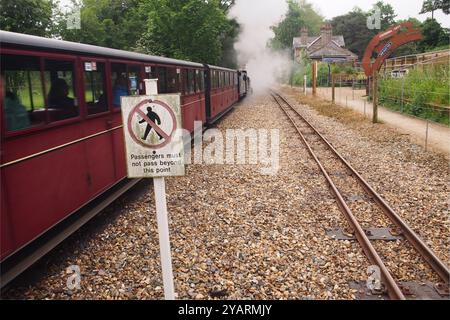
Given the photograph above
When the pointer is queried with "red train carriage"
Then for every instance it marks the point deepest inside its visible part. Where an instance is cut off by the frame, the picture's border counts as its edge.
(61, 132)
(222, 84)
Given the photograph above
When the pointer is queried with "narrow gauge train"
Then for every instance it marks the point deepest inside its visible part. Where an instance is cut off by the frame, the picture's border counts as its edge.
(62, 148)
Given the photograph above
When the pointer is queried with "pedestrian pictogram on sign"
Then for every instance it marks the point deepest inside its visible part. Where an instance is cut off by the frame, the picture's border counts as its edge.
(154, 145)
(148, 111)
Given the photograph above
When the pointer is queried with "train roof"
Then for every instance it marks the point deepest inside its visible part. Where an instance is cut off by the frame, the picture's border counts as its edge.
(20, 39)
(221, 68)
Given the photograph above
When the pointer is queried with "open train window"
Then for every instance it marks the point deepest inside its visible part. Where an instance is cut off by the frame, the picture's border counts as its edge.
(217, 79)
(95, 93)
(126, 81)
(213, 79)
(161, 75)
(59, 79)
(168, 79)
(190, 82)
(21, 90)
(119, 78)
(173, 80)
(199, 80)
(134, 79)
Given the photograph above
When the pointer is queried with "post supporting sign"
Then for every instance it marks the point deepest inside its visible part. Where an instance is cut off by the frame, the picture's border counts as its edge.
(154, 149)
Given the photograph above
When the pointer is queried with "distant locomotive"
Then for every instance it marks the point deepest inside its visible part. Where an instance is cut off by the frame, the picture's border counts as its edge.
(62, 148)
(243, 83)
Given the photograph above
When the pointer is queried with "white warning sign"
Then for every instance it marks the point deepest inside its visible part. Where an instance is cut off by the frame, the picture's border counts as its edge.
(154, 146)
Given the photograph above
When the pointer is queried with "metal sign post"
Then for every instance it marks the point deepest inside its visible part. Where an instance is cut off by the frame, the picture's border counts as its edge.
(305, 79)
(154, 149)
(159, 185)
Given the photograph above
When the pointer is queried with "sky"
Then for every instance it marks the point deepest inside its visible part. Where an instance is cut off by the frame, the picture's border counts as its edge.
(332, 8)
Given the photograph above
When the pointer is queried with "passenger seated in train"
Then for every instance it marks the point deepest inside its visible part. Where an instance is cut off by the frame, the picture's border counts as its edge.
(16, 114)
(120, 89)
(58, 98)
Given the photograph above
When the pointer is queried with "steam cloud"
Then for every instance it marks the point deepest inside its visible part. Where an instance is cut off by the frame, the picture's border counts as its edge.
(265, 67)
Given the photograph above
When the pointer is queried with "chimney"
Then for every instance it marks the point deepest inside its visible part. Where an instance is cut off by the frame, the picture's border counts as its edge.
(327, 33)
(304, 36)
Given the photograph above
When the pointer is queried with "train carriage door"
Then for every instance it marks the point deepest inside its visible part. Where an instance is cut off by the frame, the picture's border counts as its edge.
(125, 79)
(208, 84)
(99, 122)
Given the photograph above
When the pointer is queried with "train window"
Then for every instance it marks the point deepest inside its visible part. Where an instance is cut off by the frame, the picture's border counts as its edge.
(59, 79)
(168, 80)
(95, 87)
(150, 72)
(134, 80)
(199, 80)
(190, 81)
(22, 91)
(161, 75)
(217, 79)
(213, 79)
(220, 82)
(119, 80)
(173, 80)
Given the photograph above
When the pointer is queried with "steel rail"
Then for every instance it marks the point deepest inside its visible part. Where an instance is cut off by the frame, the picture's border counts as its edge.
(392, 287)
(419, 245)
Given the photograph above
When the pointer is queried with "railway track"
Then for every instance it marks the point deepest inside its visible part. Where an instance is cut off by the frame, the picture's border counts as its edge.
(344, 181)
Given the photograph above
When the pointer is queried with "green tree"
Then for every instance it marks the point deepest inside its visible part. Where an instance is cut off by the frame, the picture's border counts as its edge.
(433, 35)
(412, 47)
(388, 14)
(109, 23)
(353, 26)
(27, 16)
(185, 29)
(433, 5)
(300, 14)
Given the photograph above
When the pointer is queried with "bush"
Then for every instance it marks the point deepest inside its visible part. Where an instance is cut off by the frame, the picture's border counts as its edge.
(426, 92)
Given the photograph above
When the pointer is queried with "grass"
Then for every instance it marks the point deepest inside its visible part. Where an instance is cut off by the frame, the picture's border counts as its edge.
(426, 93)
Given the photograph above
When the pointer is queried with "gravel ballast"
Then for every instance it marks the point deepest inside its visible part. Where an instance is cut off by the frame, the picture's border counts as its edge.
(238, 234)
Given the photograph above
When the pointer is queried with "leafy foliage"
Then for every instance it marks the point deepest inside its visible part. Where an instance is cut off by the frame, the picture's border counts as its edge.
(387, 14)
(300, 14)
(109, 23)
(354, 29)
(27, 16)
(433, 35)
(425, 93)
(192, 30)
(433, 5)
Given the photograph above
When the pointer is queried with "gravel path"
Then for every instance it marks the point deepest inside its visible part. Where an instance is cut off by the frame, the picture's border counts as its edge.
(416, 128)
(237, 234)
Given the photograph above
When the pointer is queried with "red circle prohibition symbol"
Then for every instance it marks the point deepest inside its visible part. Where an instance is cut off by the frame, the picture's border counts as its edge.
(137, 110)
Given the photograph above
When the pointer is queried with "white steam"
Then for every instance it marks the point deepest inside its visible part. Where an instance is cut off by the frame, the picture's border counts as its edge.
(255, 17)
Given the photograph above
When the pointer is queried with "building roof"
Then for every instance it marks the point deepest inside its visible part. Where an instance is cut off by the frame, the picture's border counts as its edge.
(317, 39)
(332, 50)
(324, 46)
